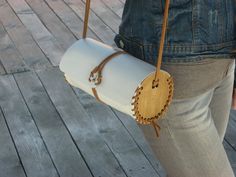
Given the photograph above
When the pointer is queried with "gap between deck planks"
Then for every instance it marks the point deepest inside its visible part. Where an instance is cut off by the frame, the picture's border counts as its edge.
(231, 131)
(105, 33)
(231, 153)
(10, 164)
(2, 70)
(10, 58)
(128, 154)
(132, 127)
(31, 148)
(111, 19)
(22, 39)
(60, 145)
(34, 94)
(69, 18)
(47, 42)
(50, 28)
(51, 21)
(117, 7)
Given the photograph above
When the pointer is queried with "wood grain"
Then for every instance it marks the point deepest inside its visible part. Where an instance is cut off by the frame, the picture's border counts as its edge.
(2, 70)
(23, 41)
(30, 146)
(57, 28)
(83, 129)
(231, 155)
(61, 147)
(131, 125)
(117, 138)
(95, 23)
(10, 164)
(69, 18)
(9, 55)
(47, 42)
(151, 101)
(116, 6)
(111, 19)
(231, 130)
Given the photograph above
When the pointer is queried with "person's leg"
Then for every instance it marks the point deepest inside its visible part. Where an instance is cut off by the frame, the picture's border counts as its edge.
(189, 144)
(221, 102)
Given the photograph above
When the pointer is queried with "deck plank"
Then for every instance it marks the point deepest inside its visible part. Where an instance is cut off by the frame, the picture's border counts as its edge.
(116, 6)
(97, 154)
(9, 55)
(10, 164)
(230, 135)
(32, 54)
(95, 22)
(47, 42)
(62, 34)
(117, 138)
(69, 18)
(231, 155)
(63, 151)
(111, 19)
(31, 148)
(131, 125)
(233, 115)
(123, 1)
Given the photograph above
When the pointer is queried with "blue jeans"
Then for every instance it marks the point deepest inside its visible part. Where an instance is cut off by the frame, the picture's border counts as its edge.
(192, 130)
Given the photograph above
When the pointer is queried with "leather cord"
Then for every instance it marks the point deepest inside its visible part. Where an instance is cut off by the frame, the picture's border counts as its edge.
(162, 39)
(86, 16)
(95, 93)
(98, 69)
(98, 72)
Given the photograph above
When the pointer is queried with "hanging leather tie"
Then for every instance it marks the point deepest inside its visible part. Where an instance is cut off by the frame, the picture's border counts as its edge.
(157, 128)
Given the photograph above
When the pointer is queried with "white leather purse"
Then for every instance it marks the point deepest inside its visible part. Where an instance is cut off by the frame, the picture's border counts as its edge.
(118, 79)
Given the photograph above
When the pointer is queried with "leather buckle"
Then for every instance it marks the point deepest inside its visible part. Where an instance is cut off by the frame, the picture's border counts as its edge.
(95, 77)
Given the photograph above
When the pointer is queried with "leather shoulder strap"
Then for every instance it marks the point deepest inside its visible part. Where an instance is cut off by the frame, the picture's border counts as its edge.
(162, 38)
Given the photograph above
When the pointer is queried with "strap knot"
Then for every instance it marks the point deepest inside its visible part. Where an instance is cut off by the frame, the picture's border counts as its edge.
(157, 128)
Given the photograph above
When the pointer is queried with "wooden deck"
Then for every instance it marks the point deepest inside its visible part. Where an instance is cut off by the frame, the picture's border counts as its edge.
(48, 128)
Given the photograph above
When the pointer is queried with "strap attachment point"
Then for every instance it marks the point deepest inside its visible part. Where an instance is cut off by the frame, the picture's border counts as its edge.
(95, 76)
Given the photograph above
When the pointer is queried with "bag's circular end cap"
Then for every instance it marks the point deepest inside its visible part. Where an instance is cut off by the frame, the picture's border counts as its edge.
(151, 102)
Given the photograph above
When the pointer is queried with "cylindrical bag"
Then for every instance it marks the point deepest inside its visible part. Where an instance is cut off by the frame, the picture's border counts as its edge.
(117, 78)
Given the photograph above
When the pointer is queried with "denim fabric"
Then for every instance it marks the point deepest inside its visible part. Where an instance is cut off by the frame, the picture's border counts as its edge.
(196, 29)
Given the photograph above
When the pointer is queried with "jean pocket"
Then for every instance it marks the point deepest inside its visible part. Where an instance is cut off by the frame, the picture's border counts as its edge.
(129, 45)
(231, 67)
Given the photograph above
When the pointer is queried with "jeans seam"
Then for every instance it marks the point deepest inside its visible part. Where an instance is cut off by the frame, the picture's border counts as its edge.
(227, 72)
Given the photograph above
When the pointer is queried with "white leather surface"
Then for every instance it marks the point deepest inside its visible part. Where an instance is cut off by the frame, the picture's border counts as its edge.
(121, 75)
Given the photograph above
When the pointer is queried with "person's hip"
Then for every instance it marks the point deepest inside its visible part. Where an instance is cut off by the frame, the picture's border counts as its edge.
(193, 78)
